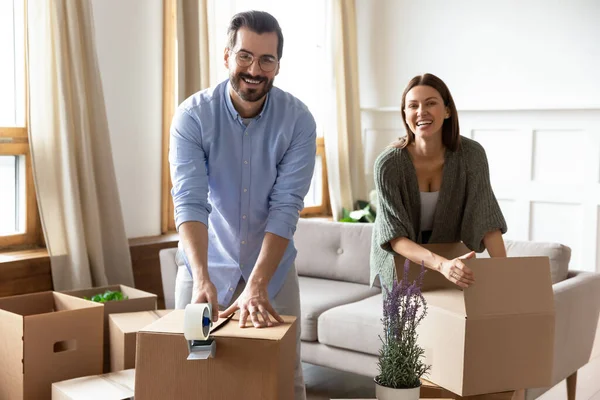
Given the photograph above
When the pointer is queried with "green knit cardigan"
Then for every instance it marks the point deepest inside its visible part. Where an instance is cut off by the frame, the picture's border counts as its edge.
(466, 210)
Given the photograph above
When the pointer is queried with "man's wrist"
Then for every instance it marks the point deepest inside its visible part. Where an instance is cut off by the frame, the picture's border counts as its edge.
(257, 279)
(200, 274)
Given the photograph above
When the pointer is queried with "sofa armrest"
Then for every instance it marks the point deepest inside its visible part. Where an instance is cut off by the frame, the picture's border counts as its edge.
(577, 307)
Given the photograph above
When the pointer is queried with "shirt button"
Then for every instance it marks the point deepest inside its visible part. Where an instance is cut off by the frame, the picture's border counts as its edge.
(245, 190)
(231, 289)
(243, 217)
(245, 161)
(245, 133)
(340, 251)
(243, 242)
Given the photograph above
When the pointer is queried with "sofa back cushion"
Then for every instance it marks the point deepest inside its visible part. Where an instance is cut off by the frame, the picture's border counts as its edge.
(333, 250)
(559, 255)
(340, 251)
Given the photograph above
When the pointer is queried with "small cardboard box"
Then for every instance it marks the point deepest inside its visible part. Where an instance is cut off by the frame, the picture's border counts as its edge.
(113, 386)
(495, 336)
(123, 329)
(137, 300)
(47, 337)
(250, 363)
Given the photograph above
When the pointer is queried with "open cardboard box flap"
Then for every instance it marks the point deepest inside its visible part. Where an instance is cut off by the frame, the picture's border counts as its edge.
(503, 286)
(515, 285)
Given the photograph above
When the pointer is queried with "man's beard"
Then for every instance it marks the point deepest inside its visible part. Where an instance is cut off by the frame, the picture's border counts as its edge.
(249, 94)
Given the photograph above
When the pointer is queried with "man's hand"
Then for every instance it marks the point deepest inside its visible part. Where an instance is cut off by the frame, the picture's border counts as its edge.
(253, 302)
(205, 292)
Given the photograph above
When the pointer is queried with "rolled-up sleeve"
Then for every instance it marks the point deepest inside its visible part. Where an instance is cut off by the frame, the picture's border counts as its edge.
(189, 175)
(392, 218)
(294, 175)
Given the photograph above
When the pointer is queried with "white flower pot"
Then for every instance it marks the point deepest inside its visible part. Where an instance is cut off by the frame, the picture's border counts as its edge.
(386, 393)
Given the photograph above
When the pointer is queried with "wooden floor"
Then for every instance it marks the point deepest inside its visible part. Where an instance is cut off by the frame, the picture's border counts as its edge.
(325, 384)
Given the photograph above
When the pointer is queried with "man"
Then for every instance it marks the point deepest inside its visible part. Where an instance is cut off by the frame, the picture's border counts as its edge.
(242, 157)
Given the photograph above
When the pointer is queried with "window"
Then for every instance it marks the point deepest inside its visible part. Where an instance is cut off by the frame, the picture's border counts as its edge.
(302, 74)
(19, 225)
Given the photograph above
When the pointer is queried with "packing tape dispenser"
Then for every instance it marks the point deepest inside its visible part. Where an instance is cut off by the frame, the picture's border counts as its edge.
(196, 329)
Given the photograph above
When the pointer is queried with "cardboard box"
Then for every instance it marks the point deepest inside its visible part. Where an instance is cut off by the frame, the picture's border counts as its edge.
(123, 329)
(47, 337)
(113, 386)
(250, 363)
(137, 300)
(495, 336)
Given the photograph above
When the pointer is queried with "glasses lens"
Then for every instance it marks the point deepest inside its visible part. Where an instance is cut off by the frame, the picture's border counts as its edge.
(244, 59)
(268, 64)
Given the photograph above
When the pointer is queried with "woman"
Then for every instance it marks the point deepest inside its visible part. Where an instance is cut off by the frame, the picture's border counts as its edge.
(433, 186)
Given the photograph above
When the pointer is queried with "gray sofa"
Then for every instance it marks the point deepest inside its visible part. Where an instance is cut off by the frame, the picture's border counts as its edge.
(341, 313)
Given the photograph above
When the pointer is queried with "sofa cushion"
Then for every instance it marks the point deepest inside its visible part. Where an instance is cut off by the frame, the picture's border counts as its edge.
(360, 322)
(333, 250)
(559, 255)
(319, 295)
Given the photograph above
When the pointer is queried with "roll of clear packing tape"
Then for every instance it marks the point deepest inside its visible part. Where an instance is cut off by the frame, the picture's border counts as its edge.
(197, 321)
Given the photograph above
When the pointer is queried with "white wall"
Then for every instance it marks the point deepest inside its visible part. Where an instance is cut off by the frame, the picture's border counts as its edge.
(129, 45)
(509, 54)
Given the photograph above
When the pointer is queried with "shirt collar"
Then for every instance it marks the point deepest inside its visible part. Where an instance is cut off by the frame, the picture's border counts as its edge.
(233, 111)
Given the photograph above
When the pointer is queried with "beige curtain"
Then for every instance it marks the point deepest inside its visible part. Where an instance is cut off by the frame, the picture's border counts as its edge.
(343, 142)
(71, 152)
(193, 58)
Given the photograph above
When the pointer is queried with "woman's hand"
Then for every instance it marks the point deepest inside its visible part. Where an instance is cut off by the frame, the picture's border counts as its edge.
(457, 272)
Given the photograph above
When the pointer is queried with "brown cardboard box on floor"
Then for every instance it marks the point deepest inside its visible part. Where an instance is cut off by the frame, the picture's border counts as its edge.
(44, 338)
(123, 329)
(137, 300)
(495, 336)
(250, 363)
(113, 386)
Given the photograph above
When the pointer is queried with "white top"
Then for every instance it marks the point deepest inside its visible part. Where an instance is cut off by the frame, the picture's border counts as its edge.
(428, 203)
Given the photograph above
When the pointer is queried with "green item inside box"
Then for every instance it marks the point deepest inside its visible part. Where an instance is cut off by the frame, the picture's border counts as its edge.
(107, 296)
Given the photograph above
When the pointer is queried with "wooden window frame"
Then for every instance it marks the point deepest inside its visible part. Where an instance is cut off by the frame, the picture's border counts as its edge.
(14, 141)
(168, 108)
(324, 209)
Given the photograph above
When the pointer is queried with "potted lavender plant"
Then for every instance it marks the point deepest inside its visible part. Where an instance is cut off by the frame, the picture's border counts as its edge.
(400, 357)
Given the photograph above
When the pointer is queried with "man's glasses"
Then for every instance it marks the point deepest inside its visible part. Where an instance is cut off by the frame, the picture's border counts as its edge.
(266, 63)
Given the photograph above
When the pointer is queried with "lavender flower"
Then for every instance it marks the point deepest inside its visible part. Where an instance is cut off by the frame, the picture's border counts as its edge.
(404, 307)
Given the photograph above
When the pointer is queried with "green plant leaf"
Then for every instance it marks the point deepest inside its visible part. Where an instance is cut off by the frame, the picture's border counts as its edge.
(345, 213)
(98, 298)
(358, 214)
(108, 295)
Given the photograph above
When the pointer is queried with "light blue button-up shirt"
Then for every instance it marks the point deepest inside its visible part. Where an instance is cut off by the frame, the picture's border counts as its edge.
(240, 180)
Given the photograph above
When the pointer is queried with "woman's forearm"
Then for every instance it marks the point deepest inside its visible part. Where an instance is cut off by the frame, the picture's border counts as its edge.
(416, 253)
(494, 243)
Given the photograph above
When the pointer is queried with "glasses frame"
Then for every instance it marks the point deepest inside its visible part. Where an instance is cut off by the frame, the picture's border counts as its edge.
(252, 59)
